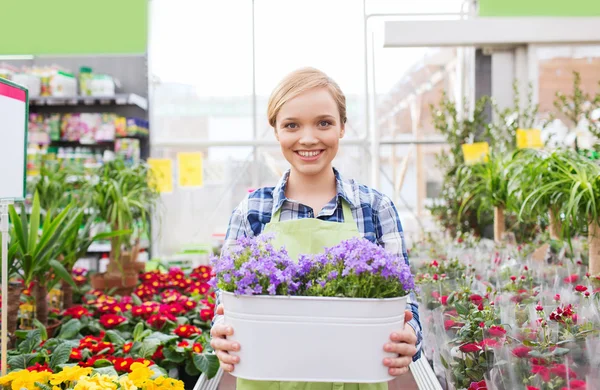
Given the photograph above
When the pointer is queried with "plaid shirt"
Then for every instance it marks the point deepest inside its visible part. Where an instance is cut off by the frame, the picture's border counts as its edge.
(374, 213)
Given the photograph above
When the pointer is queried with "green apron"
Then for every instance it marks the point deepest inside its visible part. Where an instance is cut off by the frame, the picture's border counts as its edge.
(309, 236)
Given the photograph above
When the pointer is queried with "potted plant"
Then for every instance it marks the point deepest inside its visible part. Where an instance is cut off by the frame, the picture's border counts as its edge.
(487, 182)
(36, 253)
(124, 197)
(576, 182)
(15, 287)
(78, 239)
(268, 297)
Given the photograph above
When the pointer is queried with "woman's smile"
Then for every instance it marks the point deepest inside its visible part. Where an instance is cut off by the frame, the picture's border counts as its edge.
(309, 155)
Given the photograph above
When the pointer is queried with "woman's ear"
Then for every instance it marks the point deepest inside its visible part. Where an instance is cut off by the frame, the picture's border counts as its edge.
(276, 133)
(342, 130)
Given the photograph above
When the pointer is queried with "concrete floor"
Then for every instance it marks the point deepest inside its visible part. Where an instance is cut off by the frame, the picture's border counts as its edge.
(405, 382)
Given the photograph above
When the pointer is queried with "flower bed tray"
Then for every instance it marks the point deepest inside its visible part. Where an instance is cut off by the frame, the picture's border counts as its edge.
(313, 339)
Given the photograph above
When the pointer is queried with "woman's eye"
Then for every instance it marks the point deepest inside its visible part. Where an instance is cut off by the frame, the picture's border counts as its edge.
(324, 123)
(291, 126)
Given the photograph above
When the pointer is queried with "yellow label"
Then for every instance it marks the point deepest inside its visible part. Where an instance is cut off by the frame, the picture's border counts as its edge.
(190, 169)
(162, 168)
(477, 152)
(529, 139)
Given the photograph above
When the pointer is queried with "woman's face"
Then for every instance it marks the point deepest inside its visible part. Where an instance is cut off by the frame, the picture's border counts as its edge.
(309, 129)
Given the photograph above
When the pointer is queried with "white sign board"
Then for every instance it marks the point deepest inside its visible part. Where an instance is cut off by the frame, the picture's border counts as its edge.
(13, 140)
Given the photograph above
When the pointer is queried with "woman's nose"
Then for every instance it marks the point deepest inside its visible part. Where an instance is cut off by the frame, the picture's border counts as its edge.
(308, 136)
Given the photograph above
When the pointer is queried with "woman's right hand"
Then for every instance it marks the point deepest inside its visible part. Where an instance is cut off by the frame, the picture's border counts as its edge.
(222, 346)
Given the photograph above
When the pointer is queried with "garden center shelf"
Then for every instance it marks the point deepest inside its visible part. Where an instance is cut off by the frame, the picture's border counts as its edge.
(130, 99)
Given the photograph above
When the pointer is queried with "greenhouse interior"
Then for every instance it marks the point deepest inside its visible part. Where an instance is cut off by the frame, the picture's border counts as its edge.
(300, 195)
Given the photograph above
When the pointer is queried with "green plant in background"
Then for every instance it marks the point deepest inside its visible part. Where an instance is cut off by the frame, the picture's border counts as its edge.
(458, 127)
(123, 197)
(487, 183)
(580, 106)
(37, 252)
(14, 288)
(51, 186)
(502, 132)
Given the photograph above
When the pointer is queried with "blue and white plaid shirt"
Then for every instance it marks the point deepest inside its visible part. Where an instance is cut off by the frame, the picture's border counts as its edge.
(375, 214)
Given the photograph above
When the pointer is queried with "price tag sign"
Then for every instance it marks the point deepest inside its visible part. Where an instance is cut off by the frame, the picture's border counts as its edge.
(162, 168)
(529, 139)
(190, 169)
(476, 153)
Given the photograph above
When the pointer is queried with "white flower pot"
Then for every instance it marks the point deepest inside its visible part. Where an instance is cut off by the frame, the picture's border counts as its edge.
(313, 339)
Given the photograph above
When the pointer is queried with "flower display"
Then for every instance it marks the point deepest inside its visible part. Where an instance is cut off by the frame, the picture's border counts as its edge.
(354, 268)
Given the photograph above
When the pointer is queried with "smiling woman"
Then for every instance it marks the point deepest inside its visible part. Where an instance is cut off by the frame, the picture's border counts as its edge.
(311, 204)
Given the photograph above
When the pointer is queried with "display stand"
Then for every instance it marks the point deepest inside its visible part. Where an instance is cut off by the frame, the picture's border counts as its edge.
(13, 144)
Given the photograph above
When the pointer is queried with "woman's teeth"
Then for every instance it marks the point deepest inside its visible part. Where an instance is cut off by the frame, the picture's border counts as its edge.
(309, 154)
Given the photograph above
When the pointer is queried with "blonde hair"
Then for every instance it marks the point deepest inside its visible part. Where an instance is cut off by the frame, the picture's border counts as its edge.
(298, 82)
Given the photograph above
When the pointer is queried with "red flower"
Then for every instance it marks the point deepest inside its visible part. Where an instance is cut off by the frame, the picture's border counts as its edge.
(576, 385)
(513, 278)
(75, 354)
(448, 324)
(186, 330)
(480, 307)
(158, 355)
(444, 300)
(110, 321)
(434, 263)
(436, 277)
(542, 371)
(539, 362)
(91, 361)
(158, 321)
(183, 344)
(206, 314)
(470, 347)
(539, 308)
(489, 343)
(104, 348)
(571, 279)
(76, 312)
(580, 288)
(497, 331)
(532, 388)
(557, 297)
(123, 364)
(197, 348)
(476, 299)
(127, 347)
(478, 385)
(189, 304)
(482, 324)
(37, 367)
(521, 351)
(563, 371)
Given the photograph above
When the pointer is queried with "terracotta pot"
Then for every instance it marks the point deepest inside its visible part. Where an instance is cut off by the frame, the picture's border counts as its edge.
(124, 284)
(97, 281)
(53, 324)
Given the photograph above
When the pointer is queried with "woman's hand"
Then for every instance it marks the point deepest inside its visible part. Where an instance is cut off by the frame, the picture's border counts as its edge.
(404, 344)
(222, 346)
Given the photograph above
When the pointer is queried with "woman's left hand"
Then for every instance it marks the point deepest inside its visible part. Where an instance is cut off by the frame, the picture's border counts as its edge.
(404, 344)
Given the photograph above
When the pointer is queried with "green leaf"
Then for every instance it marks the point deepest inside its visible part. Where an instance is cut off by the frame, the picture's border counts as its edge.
(537, 354)
(158, 371)
(530, 343)
(461, 309)
(173, 356)
(34, 224)
(62, 273)
(110, 371)
(560, 352)
(148, 348)
(161, 338)
(102, 363)
(33, 340)
(115, 337)
(136, 300)
(70, 329)
(41, 328)
(206, 363)
(60, 356)
(42, 386)
(21, 362)
(191, 369)
(137, 331)
(182, 320)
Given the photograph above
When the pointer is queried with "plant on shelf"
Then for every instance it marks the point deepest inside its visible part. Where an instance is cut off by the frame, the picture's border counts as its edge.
(51, 186)
(37, 252)
(124, 197)
(458, 127)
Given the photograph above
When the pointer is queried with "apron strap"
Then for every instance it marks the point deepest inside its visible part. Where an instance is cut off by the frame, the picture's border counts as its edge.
(347, 212)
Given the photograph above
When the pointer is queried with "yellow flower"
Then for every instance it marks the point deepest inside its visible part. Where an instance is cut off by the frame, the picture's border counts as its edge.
(69, 374)
(97, 382)
(27, 380)
(127, 384)
(140, 373)
(7, 379)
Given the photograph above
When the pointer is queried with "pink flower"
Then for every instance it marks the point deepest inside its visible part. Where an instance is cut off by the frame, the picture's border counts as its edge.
(521, 351)
(444, 300)
(470, 347)
(557, 297)
(563, 371)
(513, 278)
(478, 385)
(532, 388)
(436, 277)
(587, 294)
(482, 324)
(490, 343)
(572, 278)
(435, 295)
(448, 324)
(434, 263)
(476, 299)
(542, 371)
(576, 385)
(497, 331)
(580, 288)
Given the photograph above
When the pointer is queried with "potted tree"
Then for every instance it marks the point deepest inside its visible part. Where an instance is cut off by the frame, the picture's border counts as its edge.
(124, 197)
(36, 252)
